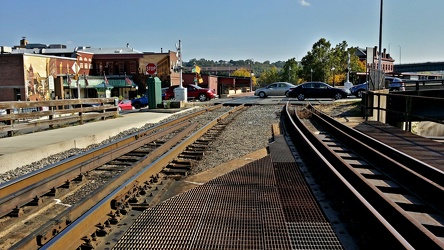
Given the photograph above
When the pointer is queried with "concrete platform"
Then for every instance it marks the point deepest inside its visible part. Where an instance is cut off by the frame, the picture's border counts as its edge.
(22, 150)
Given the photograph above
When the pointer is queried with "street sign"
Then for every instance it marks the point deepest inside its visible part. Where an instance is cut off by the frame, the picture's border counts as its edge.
(75, 68)
(151, 68)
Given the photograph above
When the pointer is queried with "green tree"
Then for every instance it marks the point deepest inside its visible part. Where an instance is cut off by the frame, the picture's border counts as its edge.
(327, 64)
(290, 71)
(269, 76)
(315, 65)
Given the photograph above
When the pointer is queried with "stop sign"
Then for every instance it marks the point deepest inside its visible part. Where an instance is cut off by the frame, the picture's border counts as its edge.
(151, 68)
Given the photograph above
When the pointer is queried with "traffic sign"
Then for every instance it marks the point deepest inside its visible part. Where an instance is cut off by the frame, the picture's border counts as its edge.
(151, 68)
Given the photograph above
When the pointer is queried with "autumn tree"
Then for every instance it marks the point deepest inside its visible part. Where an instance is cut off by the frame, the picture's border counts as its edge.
(242, 72)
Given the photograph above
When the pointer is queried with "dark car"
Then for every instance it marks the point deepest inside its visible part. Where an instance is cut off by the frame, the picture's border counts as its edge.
(393, 84)
(140, 102)
(193, 92)
(357, 89)
(316, 90)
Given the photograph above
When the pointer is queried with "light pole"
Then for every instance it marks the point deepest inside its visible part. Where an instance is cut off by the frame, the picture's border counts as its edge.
(380, 39)
(311, 75)
(399, 54)
(289, 74)
(333, 75)
(251, 75)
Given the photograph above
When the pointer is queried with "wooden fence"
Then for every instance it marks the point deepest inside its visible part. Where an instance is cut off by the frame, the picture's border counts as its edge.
(34, 115)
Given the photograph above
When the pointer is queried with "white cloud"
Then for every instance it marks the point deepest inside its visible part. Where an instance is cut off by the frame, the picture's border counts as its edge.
(304, 3)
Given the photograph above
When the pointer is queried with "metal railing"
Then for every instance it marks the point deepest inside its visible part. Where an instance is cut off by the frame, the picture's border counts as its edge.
(394, 108)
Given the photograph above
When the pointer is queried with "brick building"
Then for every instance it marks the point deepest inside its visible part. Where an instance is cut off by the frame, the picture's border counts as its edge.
(43, 72)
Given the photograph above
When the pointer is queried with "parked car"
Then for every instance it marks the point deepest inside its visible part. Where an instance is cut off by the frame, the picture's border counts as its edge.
(274, 89)
(193, 92)
(140, 102)
(125, 105)
(163, 92)
(357, 90)
(393, 83)
(316, 90)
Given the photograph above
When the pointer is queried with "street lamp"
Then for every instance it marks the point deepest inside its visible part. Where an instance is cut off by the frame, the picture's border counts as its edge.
(333, 75)
(311, 75)
(289, 74)
(399, 54)
(251, 75)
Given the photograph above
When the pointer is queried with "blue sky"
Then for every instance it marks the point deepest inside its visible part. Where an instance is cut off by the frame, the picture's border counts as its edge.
(413, 31)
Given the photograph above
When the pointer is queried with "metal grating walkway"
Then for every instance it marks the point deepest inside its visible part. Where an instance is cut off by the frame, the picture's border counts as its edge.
(263, 205)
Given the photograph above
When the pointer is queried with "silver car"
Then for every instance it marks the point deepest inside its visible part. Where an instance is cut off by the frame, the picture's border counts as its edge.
(274, 89)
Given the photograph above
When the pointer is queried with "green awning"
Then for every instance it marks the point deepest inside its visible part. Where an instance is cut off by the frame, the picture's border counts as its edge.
(92, 82)
(101, 86)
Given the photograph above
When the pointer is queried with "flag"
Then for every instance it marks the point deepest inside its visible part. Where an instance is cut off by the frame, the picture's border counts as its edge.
(68, 79)
(127, 80)
(86, 79)
(106, 79)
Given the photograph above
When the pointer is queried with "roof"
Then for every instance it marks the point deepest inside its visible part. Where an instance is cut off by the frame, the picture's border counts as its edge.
(118, 50)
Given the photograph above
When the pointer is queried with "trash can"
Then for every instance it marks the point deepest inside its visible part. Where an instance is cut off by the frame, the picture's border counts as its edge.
(154, 92)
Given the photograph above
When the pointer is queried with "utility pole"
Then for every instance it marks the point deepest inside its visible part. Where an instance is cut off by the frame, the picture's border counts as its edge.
(251, 75)
(379, 75)
(380, 39)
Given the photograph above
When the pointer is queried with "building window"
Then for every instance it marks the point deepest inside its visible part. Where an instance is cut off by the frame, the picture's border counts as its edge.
(133, 68)
(98, 68)
(121, 68)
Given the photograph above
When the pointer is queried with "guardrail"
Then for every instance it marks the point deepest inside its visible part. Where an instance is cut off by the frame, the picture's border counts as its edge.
(24, 115)
(395, 108)
(424, 84)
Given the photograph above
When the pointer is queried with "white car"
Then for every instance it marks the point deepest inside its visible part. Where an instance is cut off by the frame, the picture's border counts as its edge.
(274, 89)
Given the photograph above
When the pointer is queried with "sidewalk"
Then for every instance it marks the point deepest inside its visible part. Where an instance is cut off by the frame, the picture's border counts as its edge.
(22, 150)
(25, 149)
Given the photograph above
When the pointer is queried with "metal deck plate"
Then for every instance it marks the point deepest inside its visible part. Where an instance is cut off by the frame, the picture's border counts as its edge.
(263, 205)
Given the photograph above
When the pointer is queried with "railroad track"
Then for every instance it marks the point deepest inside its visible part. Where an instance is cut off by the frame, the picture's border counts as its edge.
(136, 163)
(396, 198)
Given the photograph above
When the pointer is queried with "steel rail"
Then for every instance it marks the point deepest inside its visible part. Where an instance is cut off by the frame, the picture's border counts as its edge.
(433, 174)
(80, 231)
(51, 177)
(394, 216)
(39, 237)
(415, 175)
(20, 191)
(301, 135)
(426, 191)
